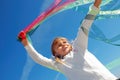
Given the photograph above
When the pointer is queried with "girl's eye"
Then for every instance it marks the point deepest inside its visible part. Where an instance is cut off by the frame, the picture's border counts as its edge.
(64, 42)
(59, 45)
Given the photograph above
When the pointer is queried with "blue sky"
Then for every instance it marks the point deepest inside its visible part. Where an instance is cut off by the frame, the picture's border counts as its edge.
(15, 15)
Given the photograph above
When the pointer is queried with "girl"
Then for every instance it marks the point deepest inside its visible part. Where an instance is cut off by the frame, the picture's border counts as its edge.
(75, 61)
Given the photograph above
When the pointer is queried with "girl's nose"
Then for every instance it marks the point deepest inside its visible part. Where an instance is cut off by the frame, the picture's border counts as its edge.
(64, 45)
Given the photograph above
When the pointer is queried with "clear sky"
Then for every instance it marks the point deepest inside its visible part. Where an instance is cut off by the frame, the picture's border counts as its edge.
(15, 15)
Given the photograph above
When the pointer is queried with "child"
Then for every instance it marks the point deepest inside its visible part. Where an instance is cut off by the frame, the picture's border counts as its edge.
(75, 61)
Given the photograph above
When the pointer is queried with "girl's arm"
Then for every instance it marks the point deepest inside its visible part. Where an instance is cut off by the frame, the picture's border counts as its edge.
(81, 40)
(37, 57)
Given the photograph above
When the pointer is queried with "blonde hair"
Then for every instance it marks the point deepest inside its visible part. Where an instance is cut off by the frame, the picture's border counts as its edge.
(59, 60)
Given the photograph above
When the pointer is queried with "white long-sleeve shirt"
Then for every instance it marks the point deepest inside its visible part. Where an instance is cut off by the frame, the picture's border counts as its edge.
(79, 64)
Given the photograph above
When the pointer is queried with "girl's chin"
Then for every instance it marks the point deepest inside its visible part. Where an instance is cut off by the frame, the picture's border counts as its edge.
(67, 50)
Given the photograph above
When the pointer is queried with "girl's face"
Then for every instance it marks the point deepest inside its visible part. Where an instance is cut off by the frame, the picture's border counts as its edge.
(62, 47)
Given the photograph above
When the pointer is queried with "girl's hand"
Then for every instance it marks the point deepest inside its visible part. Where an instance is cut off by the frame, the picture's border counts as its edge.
(25, 42)
(22, 38)
(97, 3)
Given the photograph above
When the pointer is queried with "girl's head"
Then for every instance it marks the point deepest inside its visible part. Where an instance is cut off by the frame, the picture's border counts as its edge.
(60, 47)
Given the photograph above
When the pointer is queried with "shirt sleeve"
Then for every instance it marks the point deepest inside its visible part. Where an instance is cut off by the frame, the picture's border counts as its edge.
(38, 58)
(81, 40)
